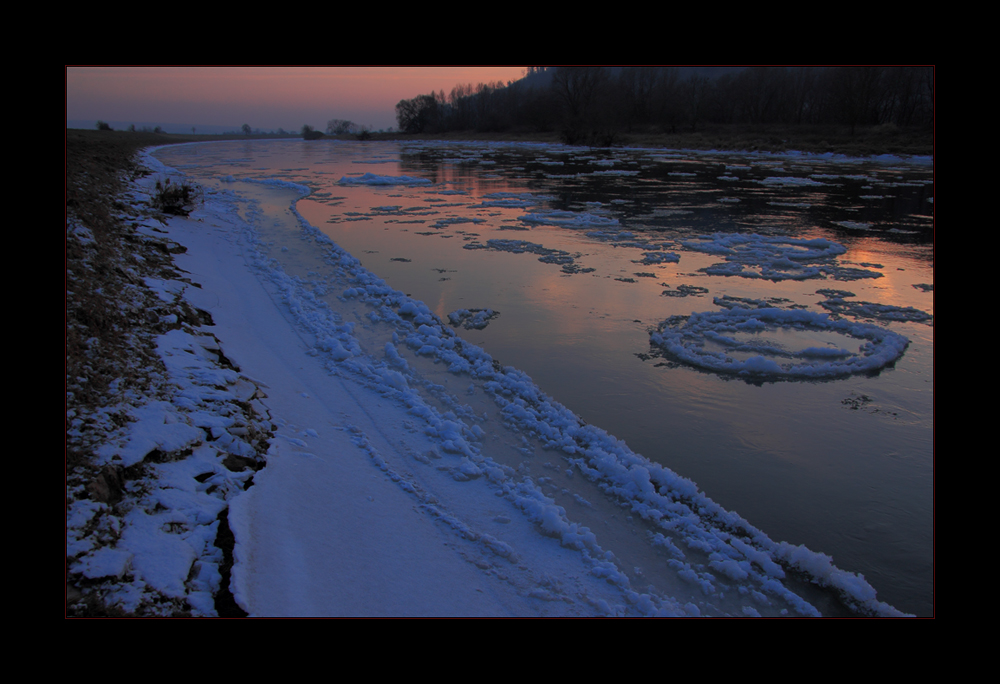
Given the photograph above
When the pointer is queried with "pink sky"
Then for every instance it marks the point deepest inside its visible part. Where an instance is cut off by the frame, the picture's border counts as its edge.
(264, 97)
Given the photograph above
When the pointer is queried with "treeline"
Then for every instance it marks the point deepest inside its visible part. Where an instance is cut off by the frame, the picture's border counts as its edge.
(594, 104)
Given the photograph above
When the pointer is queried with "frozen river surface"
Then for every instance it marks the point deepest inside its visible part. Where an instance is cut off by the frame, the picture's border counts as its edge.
(759, 324)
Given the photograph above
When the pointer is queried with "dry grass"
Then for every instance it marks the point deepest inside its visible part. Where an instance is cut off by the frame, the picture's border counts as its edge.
(111, 321)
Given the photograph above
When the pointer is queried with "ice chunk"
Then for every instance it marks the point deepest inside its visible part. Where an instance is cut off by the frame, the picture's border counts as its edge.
(716, 341)
(373, 179)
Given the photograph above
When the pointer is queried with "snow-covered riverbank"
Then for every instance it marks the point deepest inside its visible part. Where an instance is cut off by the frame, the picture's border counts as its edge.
(406, 472)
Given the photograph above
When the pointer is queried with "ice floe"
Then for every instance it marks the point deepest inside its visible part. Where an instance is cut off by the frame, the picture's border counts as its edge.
(374, 179)
(838, 304)
(787, 180)
(660, 258)
(472, 319)
(775, 258)
(739, 341)
(546, 255)
(854, 225)
(570, 219)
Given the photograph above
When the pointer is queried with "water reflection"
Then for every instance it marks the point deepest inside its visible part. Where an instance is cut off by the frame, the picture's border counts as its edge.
(851, 479)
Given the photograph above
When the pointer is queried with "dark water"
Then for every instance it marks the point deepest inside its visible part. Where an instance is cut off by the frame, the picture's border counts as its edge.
(844, 466)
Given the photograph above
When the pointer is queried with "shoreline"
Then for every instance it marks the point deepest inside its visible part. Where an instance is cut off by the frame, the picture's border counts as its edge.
(867, 142)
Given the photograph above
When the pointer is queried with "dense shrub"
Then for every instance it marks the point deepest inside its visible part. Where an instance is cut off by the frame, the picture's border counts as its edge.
(173, 199)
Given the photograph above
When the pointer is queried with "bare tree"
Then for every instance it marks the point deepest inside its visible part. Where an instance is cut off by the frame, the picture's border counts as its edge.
(419, 114)
(857, 92)
(637, 86)
(341, 127)
(695, 91)
(576, 87)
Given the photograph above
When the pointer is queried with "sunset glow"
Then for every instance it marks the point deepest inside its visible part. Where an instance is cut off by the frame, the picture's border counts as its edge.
(264, 97)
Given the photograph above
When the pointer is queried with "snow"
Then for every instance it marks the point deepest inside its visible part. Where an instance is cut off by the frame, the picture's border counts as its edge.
(408, 473)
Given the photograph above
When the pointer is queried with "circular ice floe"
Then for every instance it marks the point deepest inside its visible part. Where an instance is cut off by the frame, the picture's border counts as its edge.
(744, 342)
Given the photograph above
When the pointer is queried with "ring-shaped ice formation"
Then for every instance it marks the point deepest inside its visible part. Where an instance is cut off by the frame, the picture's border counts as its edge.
(684, 338)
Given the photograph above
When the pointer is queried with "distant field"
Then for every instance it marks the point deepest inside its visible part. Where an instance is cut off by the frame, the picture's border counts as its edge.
(874, 140)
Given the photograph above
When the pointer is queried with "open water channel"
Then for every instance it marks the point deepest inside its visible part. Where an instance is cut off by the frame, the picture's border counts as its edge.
(760, 324)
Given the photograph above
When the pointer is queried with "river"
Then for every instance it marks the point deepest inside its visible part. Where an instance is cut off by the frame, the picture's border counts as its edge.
(589, 270)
